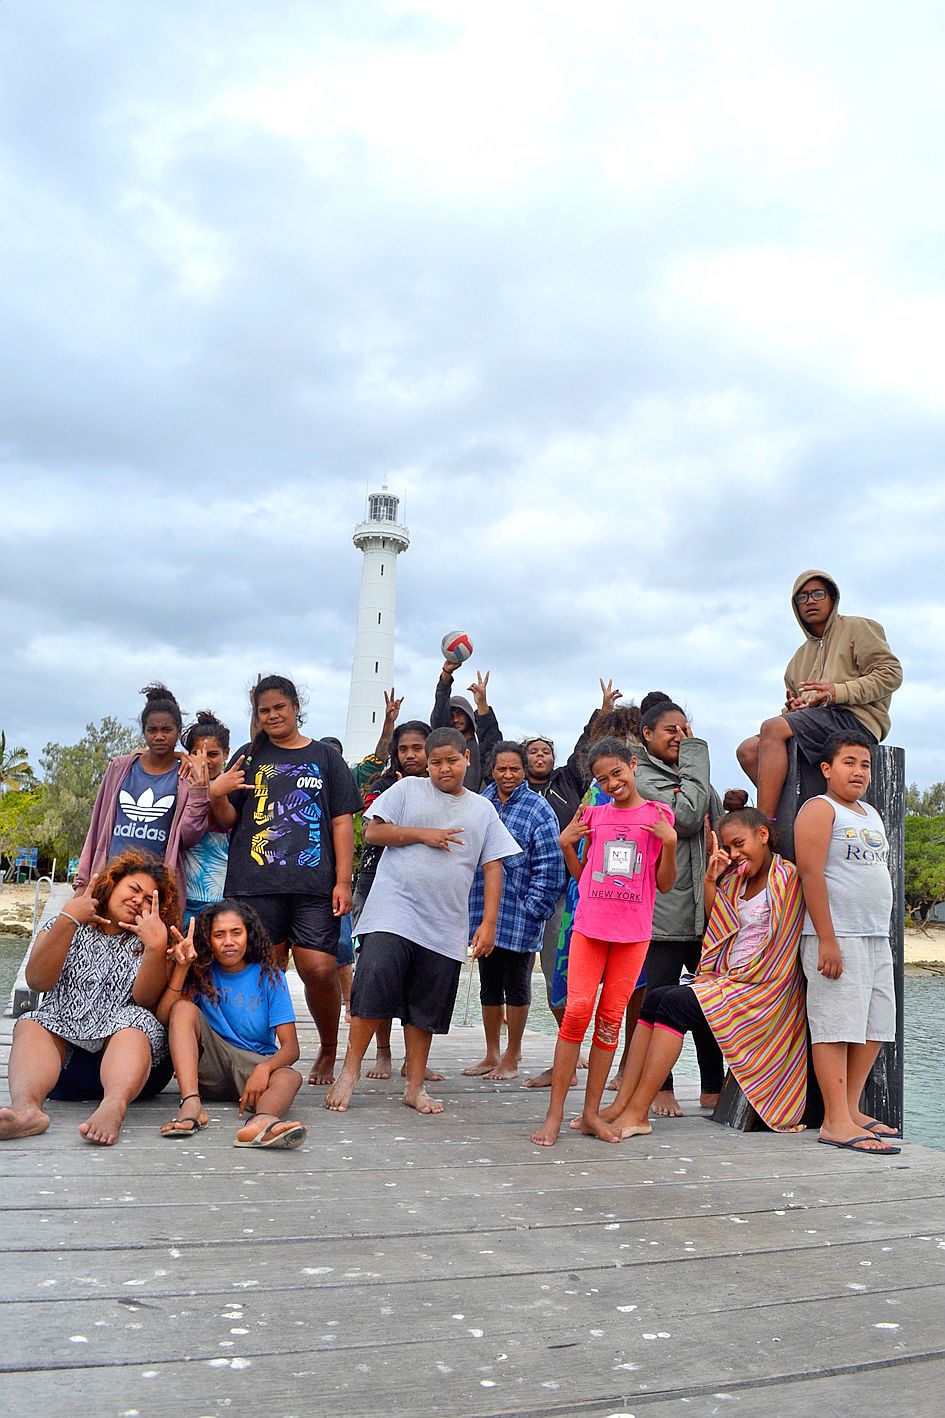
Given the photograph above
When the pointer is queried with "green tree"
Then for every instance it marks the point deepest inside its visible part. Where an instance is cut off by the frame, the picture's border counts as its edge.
(925, 862)
(20, 815)
(15, 770)
(927, 802)
(73, 774)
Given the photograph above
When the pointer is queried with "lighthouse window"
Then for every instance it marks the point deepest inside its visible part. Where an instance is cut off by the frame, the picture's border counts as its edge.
(382, 568)
(378, 617)
(376, 666)
(373, 716)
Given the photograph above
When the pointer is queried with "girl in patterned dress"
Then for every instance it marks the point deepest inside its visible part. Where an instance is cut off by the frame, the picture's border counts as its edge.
(103, 965)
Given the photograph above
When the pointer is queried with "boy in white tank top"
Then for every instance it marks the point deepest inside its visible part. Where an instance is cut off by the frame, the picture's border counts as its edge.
(842, 856)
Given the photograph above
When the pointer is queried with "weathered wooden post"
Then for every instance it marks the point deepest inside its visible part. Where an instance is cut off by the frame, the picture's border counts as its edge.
(887, 794)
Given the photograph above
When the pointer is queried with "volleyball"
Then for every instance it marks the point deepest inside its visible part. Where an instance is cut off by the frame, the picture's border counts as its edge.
(456, 647)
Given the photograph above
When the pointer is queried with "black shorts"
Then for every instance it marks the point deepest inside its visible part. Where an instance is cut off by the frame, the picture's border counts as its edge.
(814, 727)
(677, 1007)
(398, 979)
(505, 977)
(80, 1079)
(303, 921)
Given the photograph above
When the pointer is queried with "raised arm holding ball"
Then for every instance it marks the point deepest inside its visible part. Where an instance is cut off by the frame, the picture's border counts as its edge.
(479, 726)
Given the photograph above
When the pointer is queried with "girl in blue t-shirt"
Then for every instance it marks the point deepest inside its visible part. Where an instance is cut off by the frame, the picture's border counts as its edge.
(231, 1027)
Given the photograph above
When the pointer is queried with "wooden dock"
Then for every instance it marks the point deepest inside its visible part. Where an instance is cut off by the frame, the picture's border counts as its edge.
(402, 1265)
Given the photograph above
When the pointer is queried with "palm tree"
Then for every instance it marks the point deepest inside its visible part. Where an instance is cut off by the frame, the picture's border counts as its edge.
(15, 769)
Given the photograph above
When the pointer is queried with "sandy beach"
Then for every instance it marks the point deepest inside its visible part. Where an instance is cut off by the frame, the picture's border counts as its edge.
(16, 907)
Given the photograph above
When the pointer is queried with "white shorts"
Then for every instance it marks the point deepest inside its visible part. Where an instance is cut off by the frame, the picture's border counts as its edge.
(861, 1005)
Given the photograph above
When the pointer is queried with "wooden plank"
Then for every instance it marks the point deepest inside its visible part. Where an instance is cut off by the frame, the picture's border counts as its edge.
(566, 1349)
(347, 1263)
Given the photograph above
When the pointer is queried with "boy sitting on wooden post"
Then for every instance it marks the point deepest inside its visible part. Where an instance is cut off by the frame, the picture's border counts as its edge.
(842, 856)
(841, 680)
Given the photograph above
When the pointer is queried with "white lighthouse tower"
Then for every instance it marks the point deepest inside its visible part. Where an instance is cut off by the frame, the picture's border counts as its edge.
(380, 539)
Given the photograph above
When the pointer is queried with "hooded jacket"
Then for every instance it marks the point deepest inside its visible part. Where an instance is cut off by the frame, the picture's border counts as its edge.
(679, 914)
(485, 729)
(853, 654)
(191, 821)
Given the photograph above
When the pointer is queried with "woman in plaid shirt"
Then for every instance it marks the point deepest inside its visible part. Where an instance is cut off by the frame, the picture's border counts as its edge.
(531, 885)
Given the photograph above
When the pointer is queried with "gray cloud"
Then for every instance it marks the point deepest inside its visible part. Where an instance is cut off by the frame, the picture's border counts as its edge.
(620, 313)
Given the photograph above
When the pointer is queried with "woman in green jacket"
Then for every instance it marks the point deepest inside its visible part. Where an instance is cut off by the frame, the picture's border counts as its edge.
(673, 768)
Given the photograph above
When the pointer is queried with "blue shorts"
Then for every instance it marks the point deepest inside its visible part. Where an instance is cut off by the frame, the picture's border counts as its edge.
(345, 942)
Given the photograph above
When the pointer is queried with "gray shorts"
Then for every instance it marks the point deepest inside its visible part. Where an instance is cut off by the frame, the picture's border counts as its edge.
(223, 1068)
(861, 1005)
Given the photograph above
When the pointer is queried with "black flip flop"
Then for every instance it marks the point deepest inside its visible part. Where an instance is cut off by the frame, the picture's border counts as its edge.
(863, 1151)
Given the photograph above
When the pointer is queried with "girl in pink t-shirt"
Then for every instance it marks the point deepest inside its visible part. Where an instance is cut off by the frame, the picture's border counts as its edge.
(631, 854)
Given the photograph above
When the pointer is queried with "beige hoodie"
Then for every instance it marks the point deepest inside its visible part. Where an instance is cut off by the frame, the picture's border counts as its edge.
(853, 655)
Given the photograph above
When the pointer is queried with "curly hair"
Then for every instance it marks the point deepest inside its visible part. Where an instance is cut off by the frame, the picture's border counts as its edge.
(206, 726)
(259, 949)
(621, 722)
(136, 861)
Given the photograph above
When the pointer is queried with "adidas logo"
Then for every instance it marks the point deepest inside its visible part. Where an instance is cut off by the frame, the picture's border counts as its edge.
(145, 809)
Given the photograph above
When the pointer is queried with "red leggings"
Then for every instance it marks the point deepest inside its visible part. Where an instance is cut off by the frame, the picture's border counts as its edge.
(590, 962)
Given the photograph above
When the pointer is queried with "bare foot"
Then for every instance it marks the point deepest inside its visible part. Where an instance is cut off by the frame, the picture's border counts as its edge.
(505, 1068)
(708, 1100)
(547, 1134)
(543, 1080)
(593, 1125)
(339, 1095)
(430, 1075)
(582, 1062)
(615, 1082)
(420, 1099)
(664, 1105)
(22, 1122)
(381, 1068)
(635, 1130)
(480, 1069)
(323, 1069)
(105, 1123)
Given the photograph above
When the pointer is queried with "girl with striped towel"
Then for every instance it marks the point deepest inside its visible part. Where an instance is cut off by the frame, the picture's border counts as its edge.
(748, 992)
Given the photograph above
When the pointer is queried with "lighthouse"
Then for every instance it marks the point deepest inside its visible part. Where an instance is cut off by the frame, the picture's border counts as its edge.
(380, 539)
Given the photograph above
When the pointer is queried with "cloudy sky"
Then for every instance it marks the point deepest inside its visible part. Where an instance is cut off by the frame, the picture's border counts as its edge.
(640, 306)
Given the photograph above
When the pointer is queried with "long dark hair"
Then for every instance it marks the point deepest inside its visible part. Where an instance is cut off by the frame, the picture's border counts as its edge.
(259, 949)
(282, 685)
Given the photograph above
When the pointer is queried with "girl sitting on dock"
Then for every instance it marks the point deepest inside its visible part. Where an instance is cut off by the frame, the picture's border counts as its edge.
(103, 962)
(232, 1027)
(748, 993)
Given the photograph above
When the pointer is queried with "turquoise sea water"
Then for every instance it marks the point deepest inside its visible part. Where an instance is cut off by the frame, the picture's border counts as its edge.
(924, 1028)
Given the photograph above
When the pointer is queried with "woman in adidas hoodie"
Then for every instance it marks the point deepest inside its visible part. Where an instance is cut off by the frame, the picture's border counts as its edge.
(143, 801)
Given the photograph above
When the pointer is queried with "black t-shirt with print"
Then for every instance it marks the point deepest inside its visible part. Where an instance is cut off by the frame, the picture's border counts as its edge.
(282, 842)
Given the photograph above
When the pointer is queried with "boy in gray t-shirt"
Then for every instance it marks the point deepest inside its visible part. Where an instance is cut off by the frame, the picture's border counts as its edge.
(842, 856)
(415, 923)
